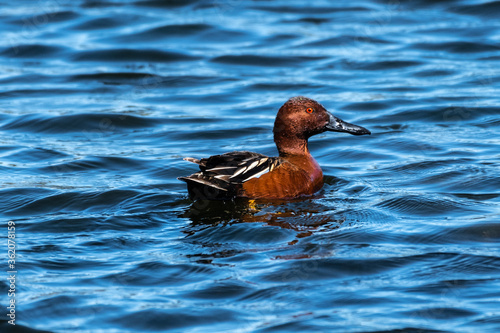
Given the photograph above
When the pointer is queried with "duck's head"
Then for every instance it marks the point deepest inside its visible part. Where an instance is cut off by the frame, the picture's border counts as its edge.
(301, 117)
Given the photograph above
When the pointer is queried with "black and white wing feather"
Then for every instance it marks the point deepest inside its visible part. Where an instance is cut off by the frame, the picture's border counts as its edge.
(224, 171)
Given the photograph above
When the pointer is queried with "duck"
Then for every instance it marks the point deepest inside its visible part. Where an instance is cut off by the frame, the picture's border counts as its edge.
(292, 174)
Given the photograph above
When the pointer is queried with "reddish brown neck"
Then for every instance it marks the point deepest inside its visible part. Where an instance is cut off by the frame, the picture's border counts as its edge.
(291, 145)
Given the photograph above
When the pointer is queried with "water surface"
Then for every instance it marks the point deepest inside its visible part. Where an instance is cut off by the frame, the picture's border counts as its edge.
(100, 101)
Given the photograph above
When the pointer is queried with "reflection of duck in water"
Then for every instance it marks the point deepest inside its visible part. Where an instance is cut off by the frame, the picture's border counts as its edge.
(251, 175)
(304, 217)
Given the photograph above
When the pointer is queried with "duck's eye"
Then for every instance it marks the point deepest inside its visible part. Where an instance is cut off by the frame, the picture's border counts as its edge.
(309, 110)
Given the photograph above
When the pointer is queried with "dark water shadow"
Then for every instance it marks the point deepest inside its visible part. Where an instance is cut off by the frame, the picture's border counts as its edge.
(302, 216)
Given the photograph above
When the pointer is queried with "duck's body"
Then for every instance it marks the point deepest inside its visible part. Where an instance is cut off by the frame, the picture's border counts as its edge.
(250, 175)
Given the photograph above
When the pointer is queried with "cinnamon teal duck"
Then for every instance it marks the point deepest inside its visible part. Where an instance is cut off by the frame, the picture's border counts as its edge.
(292, 174)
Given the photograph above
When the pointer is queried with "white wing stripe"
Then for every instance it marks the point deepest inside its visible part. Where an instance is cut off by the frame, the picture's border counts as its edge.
(221, 168)
(257, 174)
(240, 170)
(222, 177)
(253, 165)
(262, 160)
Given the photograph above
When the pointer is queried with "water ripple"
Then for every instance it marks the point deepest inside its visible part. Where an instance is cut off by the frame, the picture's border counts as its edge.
(101, 100)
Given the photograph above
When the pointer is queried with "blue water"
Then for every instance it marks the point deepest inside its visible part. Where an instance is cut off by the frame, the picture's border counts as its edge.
(100, 101)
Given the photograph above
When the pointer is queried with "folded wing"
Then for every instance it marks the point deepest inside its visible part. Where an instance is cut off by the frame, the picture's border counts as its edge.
(223, 172)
